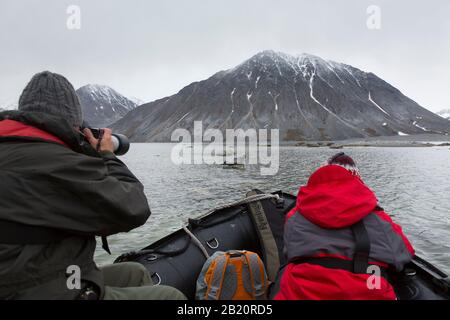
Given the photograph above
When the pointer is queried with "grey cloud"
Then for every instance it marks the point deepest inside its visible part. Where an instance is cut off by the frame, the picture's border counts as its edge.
(150, 49)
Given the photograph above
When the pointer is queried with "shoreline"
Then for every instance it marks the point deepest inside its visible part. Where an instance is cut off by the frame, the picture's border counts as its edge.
(414, 141)
(409, 141)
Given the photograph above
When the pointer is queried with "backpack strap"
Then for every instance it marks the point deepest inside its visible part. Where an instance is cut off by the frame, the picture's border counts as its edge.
(257, 278)
(23, 234)
(362, 247)
(339, 264)
(215, 284)
(270, 254)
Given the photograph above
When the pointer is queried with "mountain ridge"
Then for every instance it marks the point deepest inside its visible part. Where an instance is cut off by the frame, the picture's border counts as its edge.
(445, 113)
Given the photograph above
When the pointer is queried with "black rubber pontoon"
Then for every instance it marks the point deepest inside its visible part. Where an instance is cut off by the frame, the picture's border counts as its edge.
(176, 260)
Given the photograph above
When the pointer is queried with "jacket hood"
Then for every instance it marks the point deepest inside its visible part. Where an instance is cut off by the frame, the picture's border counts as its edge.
(334, 198)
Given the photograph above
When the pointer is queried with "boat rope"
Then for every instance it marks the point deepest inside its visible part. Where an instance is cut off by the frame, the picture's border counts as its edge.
(246, 200)
(249, 199)
(197, 242)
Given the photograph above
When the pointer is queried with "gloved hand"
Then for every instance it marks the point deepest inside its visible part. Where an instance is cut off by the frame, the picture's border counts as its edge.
(103, 143)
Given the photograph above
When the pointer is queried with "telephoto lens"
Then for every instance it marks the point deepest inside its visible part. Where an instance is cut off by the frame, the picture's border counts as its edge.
(121, 144)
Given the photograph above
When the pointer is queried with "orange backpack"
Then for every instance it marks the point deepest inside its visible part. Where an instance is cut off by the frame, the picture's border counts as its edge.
(232, 275)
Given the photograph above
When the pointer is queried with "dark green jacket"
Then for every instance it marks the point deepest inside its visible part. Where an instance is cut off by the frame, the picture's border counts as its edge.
(69, 187)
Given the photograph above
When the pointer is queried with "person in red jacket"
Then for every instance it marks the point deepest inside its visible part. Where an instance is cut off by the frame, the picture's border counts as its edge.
(339, 242)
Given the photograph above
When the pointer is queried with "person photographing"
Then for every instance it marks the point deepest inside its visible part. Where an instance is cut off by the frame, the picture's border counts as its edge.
(60, 188)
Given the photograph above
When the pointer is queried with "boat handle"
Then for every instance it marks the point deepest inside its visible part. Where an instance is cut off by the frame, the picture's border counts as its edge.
(213, 243)
(158, 277)
(151, 257)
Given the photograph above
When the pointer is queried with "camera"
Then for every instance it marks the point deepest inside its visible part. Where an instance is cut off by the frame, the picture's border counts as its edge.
(120, 141)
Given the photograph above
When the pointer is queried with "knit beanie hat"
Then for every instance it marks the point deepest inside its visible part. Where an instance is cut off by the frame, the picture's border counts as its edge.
(345, 161)
(53, 94)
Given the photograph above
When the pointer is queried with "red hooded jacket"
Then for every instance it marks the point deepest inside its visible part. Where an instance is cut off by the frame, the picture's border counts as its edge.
(320, 226)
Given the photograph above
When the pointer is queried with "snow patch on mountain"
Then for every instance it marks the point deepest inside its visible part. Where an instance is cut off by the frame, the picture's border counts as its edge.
(136, 101)
(420, 127)
(444, 114)
(376, 105)
(103, 105)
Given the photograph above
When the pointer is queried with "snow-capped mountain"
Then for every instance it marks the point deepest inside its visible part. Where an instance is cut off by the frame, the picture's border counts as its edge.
(304, 96)
(103, 105)
(444, 114)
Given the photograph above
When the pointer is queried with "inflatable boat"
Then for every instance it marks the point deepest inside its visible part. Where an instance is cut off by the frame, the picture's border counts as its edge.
(177, 259)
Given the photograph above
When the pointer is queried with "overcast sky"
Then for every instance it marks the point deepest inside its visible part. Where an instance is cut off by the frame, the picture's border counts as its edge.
(150, 49)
